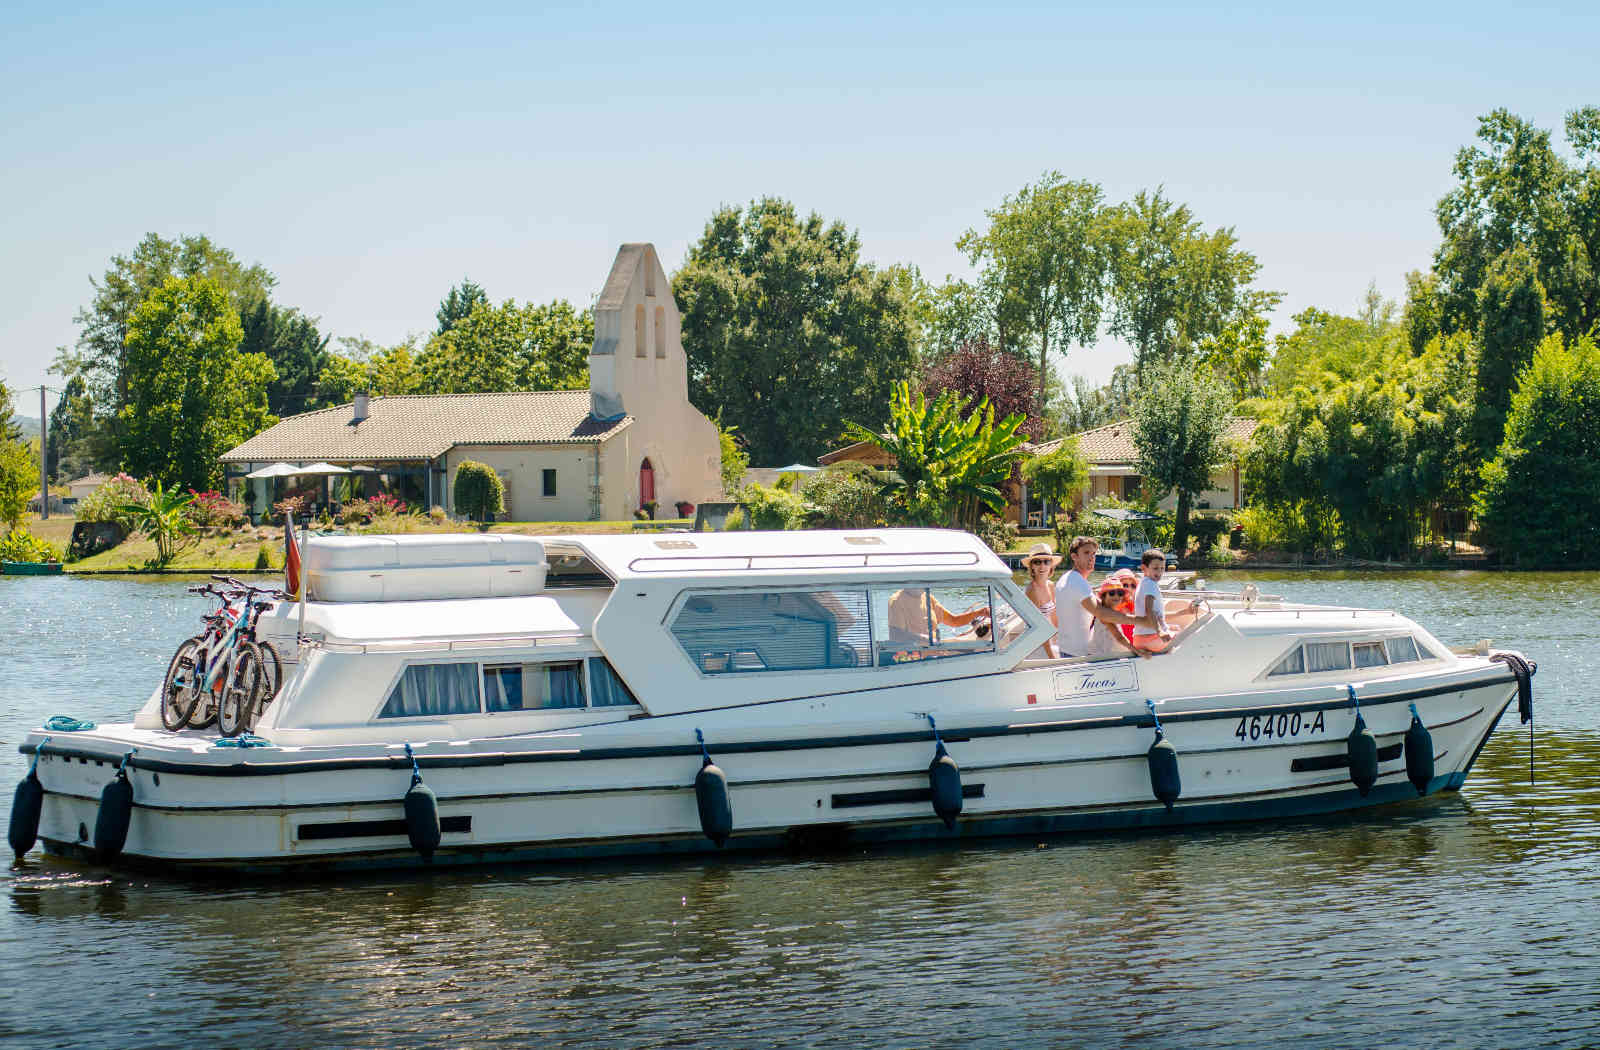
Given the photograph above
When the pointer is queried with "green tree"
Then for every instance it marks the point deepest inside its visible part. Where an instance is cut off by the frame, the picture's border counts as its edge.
(1541, 492)
(787, 331)
(19, 480)
(1514, 190)
(105, 324)
(1173, 285)
(71, 423)
(1511, 325)
(1060, 475)
(735, 460)
(456, 306)
(479, 492)
(366, 367)
(1179, 418)
(950, 457)
(10, 429)
(1045, 255)
(298, 353)
(510, 347)
(192, 396)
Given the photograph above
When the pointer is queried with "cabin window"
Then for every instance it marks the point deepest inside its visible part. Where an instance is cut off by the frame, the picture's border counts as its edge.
(434, 690)
(1294, 663)
(927, 623)
(606, 689)
(725, 632)
(1327, 656)
(1008, 623)
(1370, 654)
(1403, 650)
(532, 687)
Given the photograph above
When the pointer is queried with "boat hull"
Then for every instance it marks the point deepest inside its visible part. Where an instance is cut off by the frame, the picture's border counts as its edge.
(1043, 771)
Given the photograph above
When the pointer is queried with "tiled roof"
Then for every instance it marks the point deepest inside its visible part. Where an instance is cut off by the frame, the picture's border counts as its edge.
(423, 426)
(1113, 443)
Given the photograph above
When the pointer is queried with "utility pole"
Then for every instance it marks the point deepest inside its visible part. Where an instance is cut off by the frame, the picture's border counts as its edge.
(44, 460)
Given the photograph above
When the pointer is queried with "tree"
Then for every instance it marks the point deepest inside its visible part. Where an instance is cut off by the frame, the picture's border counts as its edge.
(164, 518)
(978, 371)
(951, 457)
(1179, 418)
(1084, 407)
(105, 324)
(1541, 492)
(458, 305)
(191, 395)
(1173, 285)
(68, 453)
(1511, 325)
(1059, 475)
(735, 460)
(366, 367)
(1513, 190)
(787, 331)
(1045, 256)
(298, 353)
(10, 429)
(510, 347)
(19, 478)
(479, 492)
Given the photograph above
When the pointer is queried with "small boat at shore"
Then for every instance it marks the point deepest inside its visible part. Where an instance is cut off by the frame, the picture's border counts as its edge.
(474, 699)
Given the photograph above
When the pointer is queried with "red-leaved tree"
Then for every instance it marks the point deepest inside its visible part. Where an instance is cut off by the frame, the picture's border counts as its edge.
(976, 369)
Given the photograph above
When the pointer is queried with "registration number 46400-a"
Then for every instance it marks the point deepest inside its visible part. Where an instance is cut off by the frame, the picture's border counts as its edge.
(1255, 727)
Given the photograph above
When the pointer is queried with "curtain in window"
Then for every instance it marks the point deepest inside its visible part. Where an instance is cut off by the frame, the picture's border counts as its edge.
(434, 689)
(1327, 656)
(607, 689)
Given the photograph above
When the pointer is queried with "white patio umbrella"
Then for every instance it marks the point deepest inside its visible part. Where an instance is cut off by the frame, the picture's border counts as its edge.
(798, 468)
(276, 470)
(322, 468)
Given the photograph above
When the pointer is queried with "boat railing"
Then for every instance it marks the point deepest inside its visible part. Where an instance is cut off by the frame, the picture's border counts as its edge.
(804, 562)
(445, 645)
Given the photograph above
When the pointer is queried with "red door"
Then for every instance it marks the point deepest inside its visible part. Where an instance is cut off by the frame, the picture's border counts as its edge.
(647, 483)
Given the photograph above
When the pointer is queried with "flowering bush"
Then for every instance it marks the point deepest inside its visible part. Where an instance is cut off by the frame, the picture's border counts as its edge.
(383, 503)
(209, 509)
(295, 505)
(355, 512)
(106, 502)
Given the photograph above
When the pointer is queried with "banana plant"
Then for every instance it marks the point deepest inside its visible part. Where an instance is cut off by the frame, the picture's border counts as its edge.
(163, 519)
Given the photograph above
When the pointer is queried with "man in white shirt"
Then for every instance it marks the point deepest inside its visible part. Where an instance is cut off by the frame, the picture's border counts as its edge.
(1076, 608)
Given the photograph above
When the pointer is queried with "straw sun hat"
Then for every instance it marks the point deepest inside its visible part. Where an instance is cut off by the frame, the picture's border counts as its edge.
(1042, 550)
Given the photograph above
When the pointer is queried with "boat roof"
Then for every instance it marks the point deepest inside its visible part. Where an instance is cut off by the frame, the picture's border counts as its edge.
(448, 618)
(877, 553)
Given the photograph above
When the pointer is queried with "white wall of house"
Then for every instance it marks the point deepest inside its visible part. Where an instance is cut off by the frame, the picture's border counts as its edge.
(521, 469)
(638, 367)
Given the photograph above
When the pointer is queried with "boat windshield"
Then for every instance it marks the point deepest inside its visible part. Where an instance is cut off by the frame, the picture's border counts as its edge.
(571, 567)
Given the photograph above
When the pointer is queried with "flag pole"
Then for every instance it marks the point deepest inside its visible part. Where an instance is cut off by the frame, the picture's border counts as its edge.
(300, 632)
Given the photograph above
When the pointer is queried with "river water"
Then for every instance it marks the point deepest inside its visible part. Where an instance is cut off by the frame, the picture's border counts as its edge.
(1464, 920)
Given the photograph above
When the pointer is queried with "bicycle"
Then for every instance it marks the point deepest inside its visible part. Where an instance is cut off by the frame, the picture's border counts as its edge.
(216, 676)
(271, 661)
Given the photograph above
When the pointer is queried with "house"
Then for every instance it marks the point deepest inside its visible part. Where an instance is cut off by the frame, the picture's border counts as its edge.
(1113, 471)
(631, 439)
(85, 486)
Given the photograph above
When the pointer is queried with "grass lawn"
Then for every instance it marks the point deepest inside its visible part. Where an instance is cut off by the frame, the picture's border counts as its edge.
(57, 531)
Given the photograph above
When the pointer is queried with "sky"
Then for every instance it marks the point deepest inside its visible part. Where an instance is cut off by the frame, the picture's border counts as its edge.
(372, 156)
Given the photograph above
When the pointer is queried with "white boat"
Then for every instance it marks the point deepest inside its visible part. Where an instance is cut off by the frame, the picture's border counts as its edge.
(486, 698)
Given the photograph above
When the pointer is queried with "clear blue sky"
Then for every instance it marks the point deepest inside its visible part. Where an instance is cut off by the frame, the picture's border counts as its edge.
(371, 157)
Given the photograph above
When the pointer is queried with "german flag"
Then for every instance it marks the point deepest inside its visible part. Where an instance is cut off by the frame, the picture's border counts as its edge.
(291, 558)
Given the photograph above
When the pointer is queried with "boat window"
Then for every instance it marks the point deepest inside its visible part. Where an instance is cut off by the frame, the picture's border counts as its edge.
(1402, 650)
(606, 689)
(1327, 656)
(434, 690)
(1370, 654)
(1294, 663)
(1008, 623)
(739, 631)
(532, 687)
(926, 623)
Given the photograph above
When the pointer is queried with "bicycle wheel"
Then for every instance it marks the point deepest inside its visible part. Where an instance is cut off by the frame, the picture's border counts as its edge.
(271, 672)
(178, 693)
(242, 691)
(207, 701)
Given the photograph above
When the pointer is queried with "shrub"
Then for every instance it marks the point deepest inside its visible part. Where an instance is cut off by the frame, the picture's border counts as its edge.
(840, 498)
(479, 494)
(263, 558)
(383, 503)
(1000, 535)
(734, 521)
(22, 545)
(773, 509)
(295, 505)
(1279, 527)
(106, 502)
(355, 512)
(437, 515)
(214, 510)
